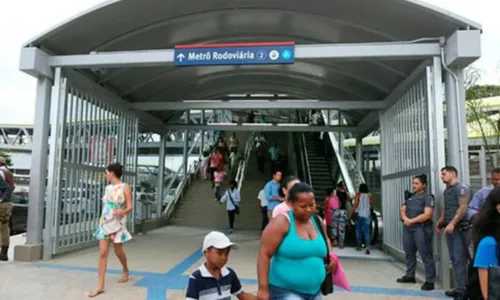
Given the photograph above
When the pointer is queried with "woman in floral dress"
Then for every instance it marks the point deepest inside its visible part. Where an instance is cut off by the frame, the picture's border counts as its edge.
(117, 203)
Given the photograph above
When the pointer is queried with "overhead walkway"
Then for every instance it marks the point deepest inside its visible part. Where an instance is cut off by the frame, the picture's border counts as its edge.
(375, 69)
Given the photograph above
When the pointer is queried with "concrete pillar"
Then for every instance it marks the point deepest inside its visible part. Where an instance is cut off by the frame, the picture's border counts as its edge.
(482, 166)
(160, 178)
(38, 174)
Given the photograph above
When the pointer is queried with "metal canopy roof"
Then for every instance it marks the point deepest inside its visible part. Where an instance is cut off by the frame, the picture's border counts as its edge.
(159, 24)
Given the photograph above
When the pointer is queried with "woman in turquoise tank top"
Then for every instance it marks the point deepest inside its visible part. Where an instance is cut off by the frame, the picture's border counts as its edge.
(291, 257)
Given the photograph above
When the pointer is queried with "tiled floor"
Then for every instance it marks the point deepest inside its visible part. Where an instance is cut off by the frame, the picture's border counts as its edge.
(161, 261)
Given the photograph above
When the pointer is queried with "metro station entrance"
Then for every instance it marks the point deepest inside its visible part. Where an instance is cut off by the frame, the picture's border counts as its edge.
(97, 94)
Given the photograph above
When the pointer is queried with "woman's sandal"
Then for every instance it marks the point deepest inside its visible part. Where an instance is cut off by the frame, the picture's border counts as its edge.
(125, 277)
(95, 293)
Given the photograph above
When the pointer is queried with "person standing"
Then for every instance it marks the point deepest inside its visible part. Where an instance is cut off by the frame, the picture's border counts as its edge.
(260, 153)
(117, 202)
(480, 196)
(232, 199)
(363, 202)
(272, 192)
(452, 218)
(274, 152)
(263, 209)
(416, 214)
(6, 189)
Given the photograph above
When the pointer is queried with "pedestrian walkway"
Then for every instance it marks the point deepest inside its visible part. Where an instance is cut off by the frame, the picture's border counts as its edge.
(162, 260)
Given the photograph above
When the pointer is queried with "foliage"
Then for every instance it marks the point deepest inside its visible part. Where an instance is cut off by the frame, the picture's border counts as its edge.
(5, 153)
(482, 120)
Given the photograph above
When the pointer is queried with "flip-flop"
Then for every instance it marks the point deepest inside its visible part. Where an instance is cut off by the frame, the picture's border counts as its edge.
(124, 278)
(95, 293)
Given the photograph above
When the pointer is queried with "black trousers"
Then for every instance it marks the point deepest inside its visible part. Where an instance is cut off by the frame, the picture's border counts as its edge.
(260, 163)
(232, 216)
(265, 217)
(212, 171)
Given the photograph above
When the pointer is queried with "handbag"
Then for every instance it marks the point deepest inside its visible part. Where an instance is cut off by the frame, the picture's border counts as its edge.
(327, 285)
(111, 226)
(236, 207)
(494, 279)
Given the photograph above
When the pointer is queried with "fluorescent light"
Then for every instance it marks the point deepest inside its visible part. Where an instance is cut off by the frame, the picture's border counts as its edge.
(222, 124)
(293, 124)
(257, 124)
(202, 101)
(250, 101)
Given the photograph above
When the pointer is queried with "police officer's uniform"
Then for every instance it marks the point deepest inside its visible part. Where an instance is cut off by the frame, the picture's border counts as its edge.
(457, 241)
(419, 237)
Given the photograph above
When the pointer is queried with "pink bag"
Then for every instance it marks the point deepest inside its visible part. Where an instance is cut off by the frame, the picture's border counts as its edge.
(339, 277)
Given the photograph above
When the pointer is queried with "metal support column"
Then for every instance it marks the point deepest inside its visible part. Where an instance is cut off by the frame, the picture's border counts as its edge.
(161, 174)
(455, 120)
(186, 145)
(482, 166)
(341, 140)
(359, 155)
(202, 132)
(39, 160)
(462, 122)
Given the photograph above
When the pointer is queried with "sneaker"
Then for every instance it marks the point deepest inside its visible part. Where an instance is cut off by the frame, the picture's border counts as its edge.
(367, 252)
(427, 286)
(406, 279)
(230, 231)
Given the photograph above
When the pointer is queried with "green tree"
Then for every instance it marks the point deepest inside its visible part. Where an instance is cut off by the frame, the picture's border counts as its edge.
(5, 153)
(483, 120)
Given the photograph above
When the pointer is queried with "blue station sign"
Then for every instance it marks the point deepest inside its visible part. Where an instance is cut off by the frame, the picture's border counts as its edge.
(235, 54)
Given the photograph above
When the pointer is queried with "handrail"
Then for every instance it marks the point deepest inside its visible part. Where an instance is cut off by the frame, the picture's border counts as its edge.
(306, 158)
(195, 165)
(340, 160)
(242, 166)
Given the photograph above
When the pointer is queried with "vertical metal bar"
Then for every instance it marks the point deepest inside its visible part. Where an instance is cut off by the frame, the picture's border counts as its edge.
(436, 139)
(135, 157)
(186, 146)
(81, 182)
(482, 166)
(72, 182)
(160, 177)
(51, 216)
(202, 132)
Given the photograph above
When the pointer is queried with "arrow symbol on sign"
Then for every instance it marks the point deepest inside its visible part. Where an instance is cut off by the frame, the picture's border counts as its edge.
(180, 57)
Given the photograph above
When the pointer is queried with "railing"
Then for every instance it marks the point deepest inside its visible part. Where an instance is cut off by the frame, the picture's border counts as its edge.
(242, 166)
(346, 174)
(186, 179)
(303, 154)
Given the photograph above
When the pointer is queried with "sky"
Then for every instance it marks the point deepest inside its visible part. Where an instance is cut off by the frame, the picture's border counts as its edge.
(18, 89)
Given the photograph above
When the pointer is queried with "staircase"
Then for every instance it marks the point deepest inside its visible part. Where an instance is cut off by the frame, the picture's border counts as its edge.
(198, 208)
(319, 168)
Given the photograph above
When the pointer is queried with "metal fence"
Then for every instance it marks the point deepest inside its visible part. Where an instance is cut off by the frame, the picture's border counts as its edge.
(412, 143)
(87, 135)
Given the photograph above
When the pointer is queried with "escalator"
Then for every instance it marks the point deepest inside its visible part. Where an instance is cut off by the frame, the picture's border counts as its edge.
(319, 165)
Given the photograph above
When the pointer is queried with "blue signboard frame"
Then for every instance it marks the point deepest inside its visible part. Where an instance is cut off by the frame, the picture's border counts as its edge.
(235, 54)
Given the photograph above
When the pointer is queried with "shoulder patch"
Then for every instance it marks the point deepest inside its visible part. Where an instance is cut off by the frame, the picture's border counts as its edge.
(462, 191)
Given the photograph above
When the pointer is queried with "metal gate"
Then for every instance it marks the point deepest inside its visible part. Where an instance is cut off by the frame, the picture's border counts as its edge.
(87, 134)
(412, 142)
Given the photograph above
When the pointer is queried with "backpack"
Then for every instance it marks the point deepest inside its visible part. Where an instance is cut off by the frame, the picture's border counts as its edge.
(9, 178)
(473, 285)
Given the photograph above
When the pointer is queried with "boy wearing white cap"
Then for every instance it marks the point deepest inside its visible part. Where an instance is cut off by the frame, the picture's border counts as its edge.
(212, 280)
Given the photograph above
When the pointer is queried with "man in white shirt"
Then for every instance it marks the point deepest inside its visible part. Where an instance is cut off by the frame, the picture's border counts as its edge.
(263, 208)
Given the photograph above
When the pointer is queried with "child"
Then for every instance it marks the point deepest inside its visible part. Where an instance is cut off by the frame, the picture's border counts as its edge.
(219, 177)
(213, 280)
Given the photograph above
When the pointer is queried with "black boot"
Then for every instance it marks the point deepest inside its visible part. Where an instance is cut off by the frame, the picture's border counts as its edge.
(3, 253)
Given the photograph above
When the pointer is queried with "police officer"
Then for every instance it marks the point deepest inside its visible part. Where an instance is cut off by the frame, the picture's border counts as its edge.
(456, 228)
(416, 214)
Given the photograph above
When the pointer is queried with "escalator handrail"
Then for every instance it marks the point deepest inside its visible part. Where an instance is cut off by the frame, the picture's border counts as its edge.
(343, 168)
(305, 162)
(242, 167)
